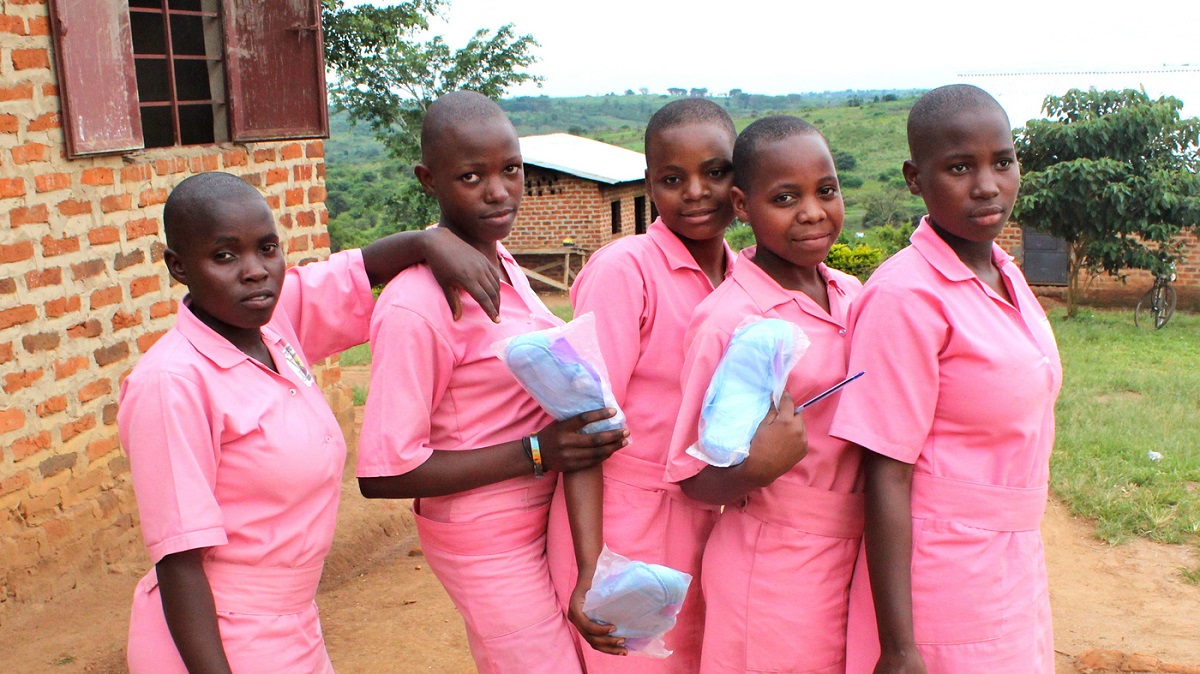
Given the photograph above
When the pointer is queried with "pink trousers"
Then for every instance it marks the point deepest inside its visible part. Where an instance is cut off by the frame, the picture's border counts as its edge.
(980, 598)
(647, 520)
(493, 565)
(267, 617)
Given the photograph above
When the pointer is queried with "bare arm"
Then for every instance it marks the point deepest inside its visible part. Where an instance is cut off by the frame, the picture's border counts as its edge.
(780, 442)
(564, 449)
(585, 509)
(455, 265)
(190, 612)
(888, 537)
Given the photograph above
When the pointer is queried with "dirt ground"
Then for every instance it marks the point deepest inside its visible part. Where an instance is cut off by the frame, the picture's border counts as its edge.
(383, 611)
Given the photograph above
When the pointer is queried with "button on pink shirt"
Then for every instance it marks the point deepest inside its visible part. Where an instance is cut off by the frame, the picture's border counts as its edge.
(230, 456)
(963, 386)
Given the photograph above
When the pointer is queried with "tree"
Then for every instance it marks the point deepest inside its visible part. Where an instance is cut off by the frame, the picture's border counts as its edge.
(1114, 173)
(676, 91)
(643, 91)
(699, 92)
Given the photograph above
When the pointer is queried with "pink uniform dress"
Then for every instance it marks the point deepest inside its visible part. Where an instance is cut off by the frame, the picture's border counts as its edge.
(962, 385)
(643, 290)
(231, 457)
(777, 567)
(436, 384)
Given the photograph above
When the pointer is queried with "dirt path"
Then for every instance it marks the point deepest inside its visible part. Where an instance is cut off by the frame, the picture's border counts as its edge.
(383, 610)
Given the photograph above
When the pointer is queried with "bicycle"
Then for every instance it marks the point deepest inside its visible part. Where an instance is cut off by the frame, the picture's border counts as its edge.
(1157, 306)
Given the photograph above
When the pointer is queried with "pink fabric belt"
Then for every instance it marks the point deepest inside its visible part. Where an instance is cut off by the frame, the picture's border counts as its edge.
(484, 537)
(983, 506)
(647, 475)
(258, 590)
(808, 509)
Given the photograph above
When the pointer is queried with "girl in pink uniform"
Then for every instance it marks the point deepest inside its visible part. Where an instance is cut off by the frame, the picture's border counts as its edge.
(643, 290)
(958, 418)
(447, 423)
(777, 566)
(236, 458)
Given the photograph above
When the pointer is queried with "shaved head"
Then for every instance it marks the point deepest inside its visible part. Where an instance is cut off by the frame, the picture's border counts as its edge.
(200, 199)
(753, 138)
(455, 111)
(932, 111)
(687, 111)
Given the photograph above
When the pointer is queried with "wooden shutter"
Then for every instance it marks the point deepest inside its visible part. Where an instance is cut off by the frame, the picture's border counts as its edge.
(96, 79)
(275, 69)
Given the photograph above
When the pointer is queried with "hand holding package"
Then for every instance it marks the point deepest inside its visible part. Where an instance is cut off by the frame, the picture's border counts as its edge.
(641, 599)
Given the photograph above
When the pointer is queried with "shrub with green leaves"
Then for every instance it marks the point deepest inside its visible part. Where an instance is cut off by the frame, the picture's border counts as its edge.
(859, 260)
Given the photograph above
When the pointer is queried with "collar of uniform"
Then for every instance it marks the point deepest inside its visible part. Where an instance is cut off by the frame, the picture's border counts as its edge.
(766, 293)
(211, 345)
(942, 257)
(678, 256)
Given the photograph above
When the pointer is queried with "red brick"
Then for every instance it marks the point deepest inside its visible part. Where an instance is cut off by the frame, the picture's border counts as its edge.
(234, 158)
(39, 278)
(306, 219)
(16, 252)
(168, 166)
(126, 260)
(49, 90)
(9, 124)
(316, 195)
(302, 172)
(143, 285)
(17, 315)
(12, 187)
(51, 406)
(136, 229)
(291, 151)
(28, 215)
(123, 319)
(294, 197)
(273, 201)
(18, 92)
(105, 297)
(39, 25)
(152, 197)
(48, 182)
(6, 352)
(116, 202)
(315, 148)
(254, 179)
(15, 381)
(42, 341)
(83, 270)
(109, 413)
(297, 244)
(321, 170)
(265, 155)
(162, 309)
(111, 354)
(98, 449)
(136, 173)
(30, 445)
(87, 330)
(321, 240)
(30, 152)
(14, 482)
(11, 419)
(102, 235)
(12, 24)
(286, 221)
(147, 340)
(100, 387)
(69, 366)
(52, 246)
(275, 176)
(28, 59)
(97, 176)
(49, 120)
(71, 207)
(70, 430)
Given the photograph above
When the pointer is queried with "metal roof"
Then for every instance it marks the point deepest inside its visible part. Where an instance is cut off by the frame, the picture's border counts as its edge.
(584, 157)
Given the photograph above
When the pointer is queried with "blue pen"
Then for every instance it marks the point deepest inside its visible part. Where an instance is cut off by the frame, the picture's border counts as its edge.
(828, 392)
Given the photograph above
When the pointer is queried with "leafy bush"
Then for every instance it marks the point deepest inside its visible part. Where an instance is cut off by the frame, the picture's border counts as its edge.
(739, 235)
(860, 260)
(850, 181)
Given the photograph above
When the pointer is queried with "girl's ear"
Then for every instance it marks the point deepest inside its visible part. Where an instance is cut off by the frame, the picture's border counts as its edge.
(175, 266)
(738, 197)
(425, 178)
(910, 177)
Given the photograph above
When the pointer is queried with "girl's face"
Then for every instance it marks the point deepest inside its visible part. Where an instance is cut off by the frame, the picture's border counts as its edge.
(689, 172)
(969, 175)
(232, 265)
(793, 202)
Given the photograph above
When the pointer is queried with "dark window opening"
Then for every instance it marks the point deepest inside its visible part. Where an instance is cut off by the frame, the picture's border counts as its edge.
(653, 212)
(639, 215)
(177, 47)
(616, 217)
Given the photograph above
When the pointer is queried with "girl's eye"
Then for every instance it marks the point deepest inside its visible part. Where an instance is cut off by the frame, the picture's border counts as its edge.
(828, 191)
(270, 248)
(1005, 163)
(470, 177)
(511, 170)
(958, 168)
(719, 172)
(672, 180)
(783, 199)
(223, 256)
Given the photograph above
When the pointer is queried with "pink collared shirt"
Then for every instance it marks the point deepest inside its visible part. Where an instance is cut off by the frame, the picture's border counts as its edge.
(829, 464)
(436, 383)
(226, 454)
(643, 290)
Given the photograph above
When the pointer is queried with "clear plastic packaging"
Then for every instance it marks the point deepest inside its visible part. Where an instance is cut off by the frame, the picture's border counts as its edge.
(563, 370)
(749, 379)
(641, 599)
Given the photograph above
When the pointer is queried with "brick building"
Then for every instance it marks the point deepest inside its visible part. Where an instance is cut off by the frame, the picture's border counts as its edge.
(104, 107)
(580, 190)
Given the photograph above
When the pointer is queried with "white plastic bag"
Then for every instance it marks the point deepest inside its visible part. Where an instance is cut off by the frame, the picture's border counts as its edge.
(563, 370)
(749, 379)
(641, 599)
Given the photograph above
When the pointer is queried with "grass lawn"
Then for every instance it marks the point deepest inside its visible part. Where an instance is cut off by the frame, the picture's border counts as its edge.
(1126, 393)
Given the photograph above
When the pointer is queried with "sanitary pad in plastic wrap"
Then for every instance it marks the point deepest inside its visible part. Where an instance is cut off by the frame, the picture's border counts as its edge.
(641, 599)
(563, 370)
(749, 379)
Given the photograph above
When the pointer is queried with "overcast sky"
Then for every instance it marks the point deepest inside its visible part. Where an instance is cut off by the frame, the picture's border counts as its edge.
(780, 47)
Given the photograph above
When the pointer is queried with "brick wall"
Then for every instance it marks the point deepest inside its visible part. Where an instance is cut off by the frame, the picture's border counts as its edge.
(557, 205)
(83, 293)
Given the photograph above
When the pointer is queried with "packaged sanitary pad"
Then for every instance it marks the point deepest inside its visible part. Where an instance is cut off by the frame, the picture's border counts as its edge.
(641, 599)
